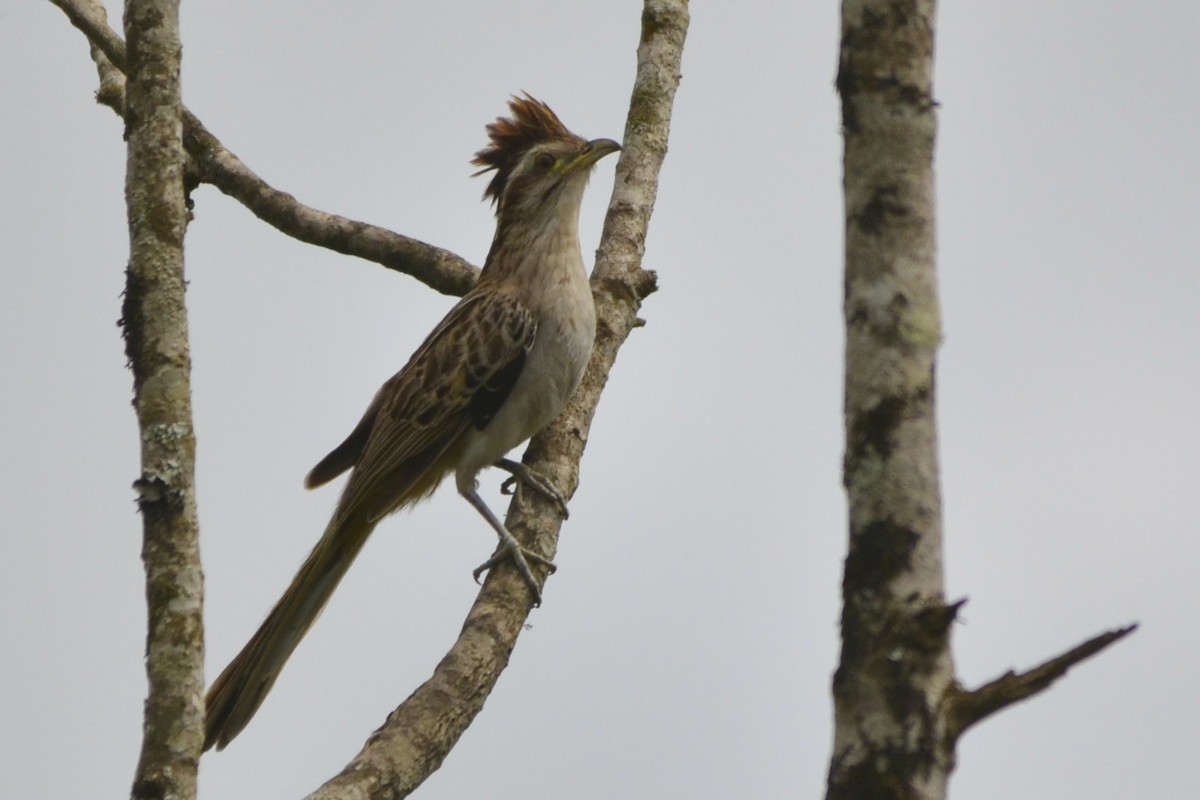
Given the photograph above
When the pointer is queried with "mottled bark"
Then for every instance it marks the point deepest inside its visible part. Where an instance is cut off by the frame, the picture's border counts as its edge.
(156, 341)
(416, 737)
(898, 709)
(895, 662)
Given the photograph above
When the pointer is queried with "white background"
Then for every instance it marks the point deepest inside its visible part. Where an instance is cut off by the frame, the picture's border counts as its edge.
(686, 644)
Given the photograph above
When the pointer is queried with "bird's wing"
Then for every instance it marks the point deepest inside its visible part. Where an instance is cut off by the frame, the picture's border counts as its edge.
(459, 376)
(346, 454)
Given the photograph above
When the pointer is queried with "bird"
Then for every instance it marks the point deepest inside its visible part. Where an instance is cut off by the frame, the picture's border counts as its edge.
(497, 369)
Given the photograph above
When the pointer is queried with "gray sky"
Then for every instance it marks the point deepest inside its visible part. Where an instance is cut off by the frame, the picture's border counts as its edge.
(686, 645)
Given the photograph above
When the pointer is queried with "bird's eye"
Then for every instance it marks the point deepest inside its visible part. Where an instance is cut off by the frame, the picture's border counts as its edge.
(543, 162)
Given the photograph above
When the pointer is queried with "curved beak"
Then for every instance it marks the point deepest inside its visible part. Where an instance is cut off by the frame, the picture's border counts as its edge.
(593, 151)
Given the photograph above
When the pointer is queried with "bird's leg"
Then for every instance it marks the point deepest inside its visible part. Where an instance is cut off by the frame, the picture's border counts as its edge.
(509, 548)
(523, 475)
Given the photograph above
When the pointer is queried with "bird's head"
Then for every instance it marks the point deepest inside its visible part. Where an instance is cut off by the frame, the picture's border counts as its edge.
(537, 161)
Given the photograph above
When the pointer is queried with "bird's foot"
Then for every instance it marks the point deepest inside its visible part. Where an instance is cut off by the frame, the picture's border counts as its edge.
(510, 548)
(522, 475)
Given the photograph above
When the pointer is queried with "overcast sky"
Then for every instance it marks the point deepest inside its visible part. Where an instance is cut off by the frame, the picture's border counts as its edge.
(686, 644)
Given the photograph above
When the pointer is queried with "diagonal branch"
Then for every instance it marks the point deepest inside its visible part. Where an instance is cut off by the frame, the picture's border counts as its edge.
(437, 268)
(965, 708)
(420, 732)
(213, 163)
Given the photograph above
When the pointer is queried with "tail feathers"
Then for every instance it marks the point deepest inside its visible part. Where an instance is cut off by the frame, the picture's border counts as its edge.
(236, 694)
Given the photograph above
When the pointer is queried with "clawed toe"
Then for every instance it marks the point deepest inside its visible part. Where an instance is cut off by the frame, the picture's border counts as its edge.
(521, 475)
(520, 558)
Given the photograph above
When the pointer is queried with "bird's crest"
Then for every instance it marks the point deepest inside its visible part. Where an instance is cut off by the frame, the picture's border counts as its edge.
(531, 123)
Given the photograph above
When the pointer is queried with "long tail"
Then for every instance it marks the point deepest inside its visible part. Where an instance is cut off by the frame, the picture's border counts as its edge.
(236, 694)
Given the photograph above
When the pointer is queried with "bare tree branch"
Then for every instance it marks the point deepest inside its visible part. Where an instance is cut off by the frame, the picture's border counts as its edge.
(156, 341)
(214, 163)
(420, 732)
(437, 268)
(112, 78)
(966, 708)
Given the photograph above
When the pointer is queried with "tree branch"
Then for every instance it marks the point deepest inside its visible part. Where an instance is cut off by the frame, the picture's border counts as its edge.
(156, 341)
(437, 268)
(215, 164)
(966, 708)
(91, 19)
(420, 732)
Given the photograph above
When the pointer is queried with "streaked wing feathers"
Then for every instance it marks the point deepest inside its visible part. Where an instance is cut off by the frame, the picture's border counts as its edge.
(459, 376)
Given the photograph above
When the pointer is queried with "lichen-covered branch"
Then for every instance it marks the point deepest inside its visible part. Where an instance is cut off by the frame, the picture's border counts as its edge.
(213, 163)
(420, 732)
(156, 341)
(895, 661)
(966, 708)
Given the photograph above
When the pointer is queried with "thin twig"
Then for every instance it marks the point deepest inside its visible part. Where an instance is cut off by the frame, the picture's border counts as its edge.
(214, 163)
(966, 708)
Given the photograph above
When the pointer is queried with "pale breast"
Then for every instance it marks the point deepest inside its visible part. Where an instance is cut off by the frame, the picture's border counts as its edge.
(553, 367)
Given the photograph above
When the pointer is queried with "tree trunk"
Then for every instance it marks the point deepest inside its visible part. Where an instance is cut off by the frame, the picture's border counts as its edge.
(156, 341)
(895, 663)
(898, 710)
